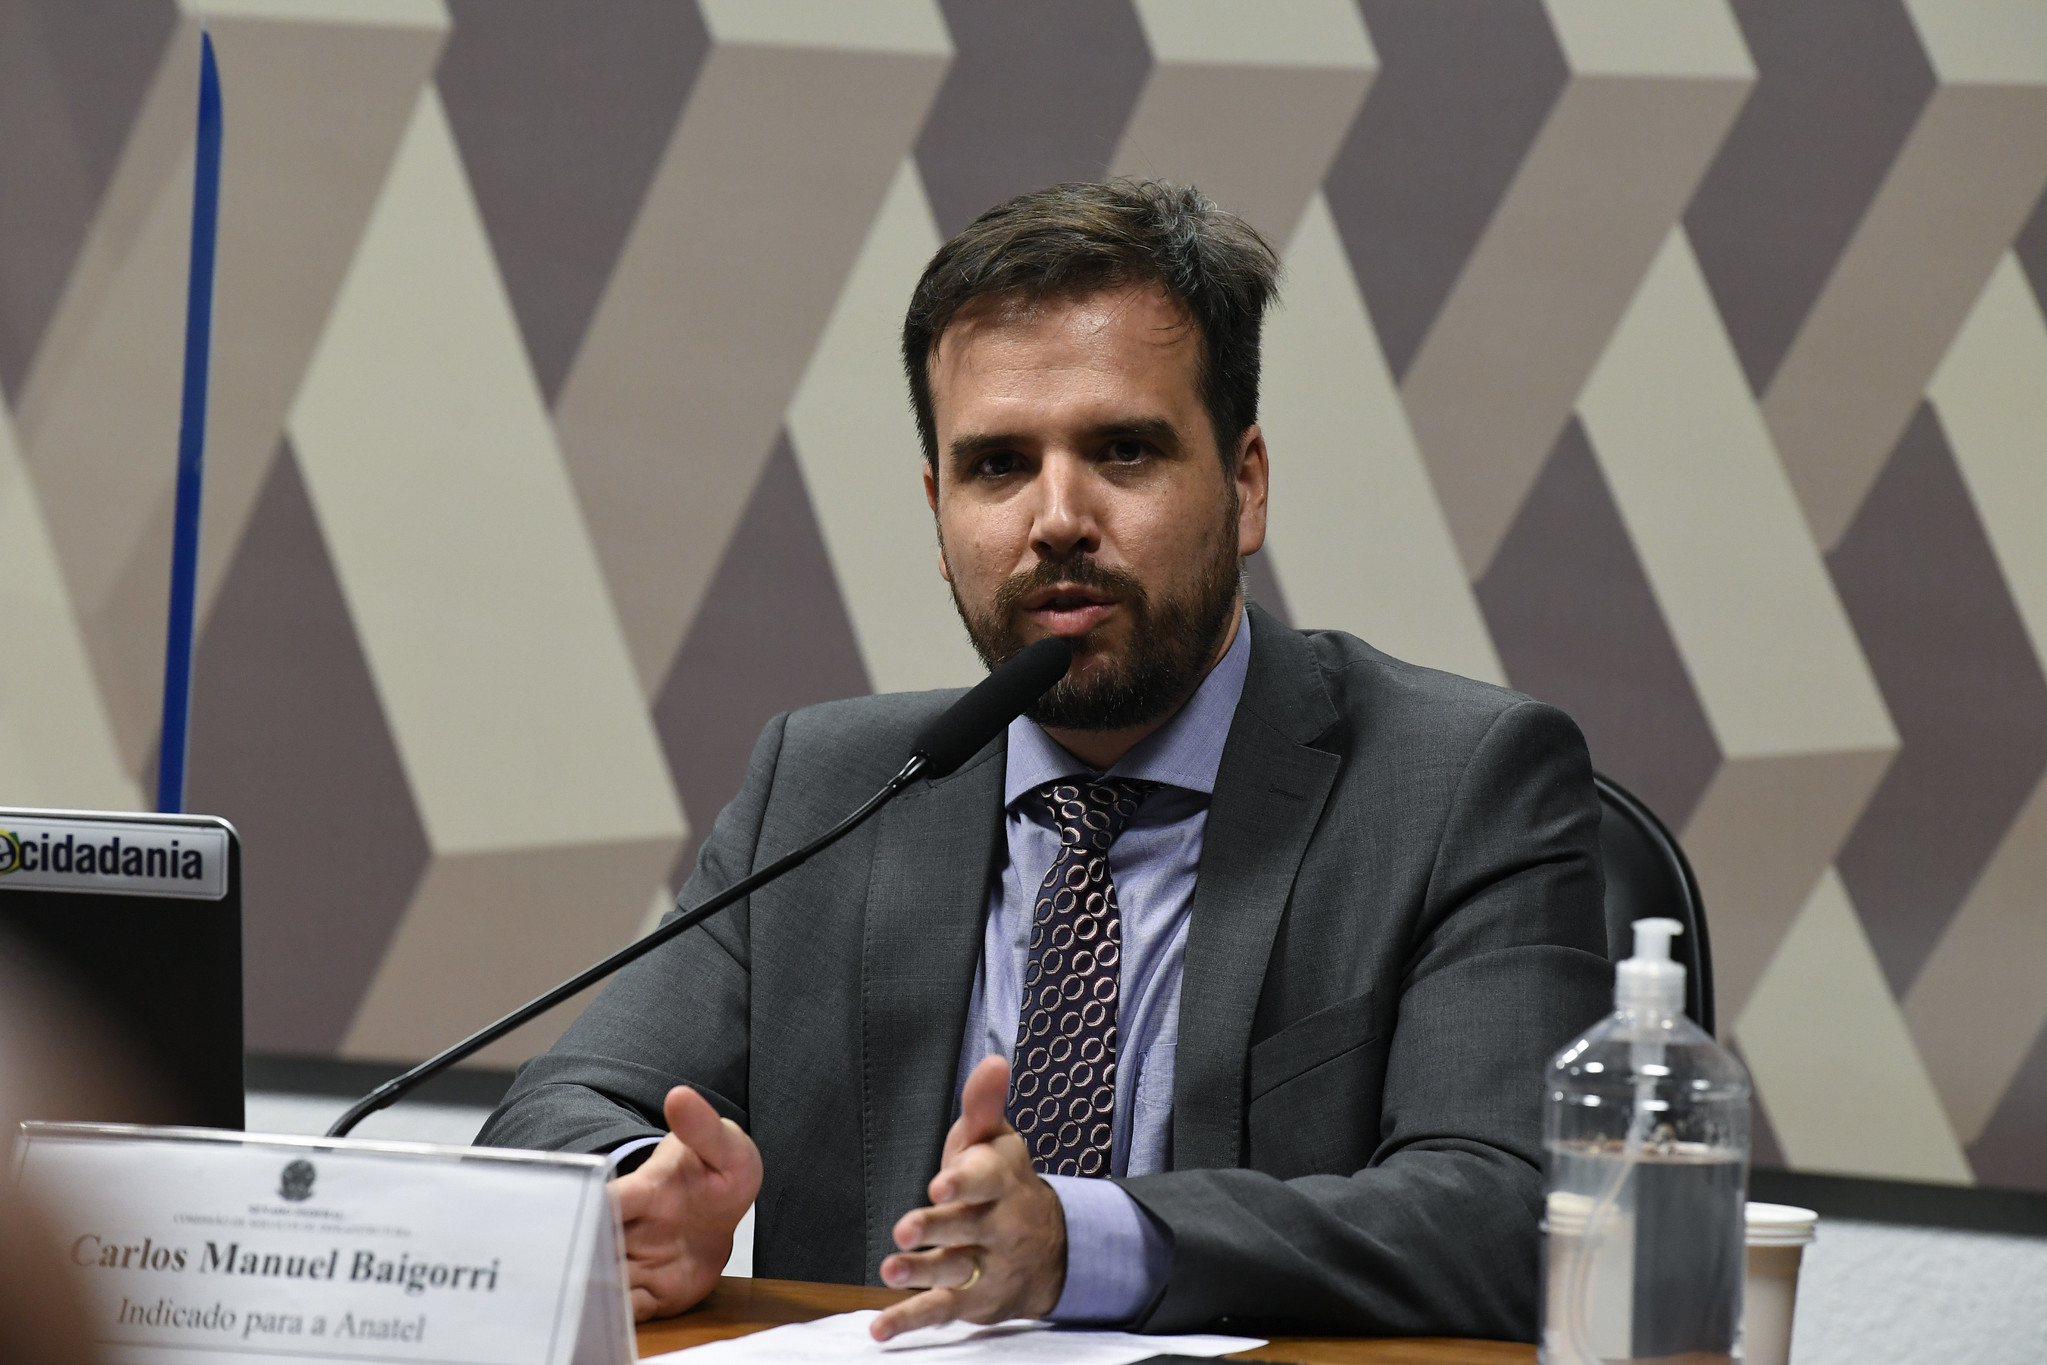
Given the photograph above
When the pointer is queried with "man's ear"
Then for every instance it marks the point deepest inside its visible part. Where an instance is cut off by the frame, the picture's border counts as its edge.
(931, 500)
(1253, 478)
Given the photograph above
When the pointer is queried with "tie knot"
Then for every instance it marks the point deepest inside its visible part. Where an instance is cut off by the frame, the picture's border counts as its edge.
(1090, 813)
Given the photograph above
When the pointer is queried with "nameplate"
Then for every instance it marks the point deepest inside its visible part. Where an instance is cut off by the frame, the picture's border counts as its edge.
(124, 857)
(197, 1244)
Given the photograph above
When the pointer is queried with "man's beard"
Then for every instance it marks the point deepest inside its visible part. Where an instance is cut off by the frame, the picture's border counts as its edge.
(1173, 640)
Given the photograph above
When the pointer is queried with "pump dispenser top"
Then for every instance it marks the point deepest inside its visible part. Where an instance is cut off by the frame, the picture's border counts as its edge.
(1649, 983)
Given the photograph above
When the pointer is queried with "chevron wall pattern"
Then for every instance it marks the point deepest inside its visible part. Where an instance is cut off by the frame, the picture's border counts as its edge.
(1681, 362)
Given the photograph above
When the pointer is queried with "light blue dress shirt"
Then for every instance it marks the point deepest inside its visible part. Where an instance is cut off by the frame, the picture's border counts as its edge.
(1116, 1254)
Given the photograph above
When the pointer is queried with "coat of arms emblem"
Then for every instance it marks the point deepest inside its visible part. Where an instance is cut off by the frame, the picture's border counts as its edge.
(296, 1184)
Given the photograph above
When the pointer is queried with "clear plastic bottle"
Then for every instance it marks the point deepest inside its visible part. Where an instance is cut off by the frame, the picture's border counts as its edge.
(1646, 1126)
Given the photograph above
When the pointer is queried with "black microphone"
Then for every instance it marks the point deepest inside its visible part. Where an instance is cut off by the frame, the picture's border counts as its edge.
(951, 739)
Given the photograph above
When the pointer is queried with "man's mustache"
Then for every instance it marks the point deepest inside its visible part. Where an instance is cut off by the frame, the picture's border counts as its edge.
(1080, 571)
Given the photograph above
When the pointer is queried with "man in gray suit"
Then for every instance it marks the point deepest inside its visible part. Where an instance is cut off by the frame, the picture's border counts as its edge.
(1219, 989)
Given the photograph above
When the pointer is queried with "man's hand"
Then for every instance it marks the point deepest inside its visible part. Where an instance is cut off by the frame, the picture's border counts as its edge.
(680, 1207)
(989, 1210)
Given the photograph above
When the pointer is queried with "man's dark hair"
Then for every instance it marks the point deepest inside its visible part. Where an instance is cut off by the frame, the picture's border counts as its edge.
(1079, 238)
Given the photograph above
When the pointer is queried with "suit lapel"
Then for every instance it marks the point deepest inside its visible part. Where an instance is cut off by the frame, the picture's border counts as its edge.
(927, 900)
(1269, 794)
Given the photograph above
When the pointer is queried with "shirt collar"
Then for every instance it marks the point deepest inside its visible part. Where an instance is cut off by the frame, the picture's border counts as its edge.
(1184, 752)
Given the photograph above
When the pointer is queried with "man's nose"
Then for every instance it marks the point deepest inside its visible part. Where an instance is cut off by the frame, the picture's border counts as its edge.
(1066, 523)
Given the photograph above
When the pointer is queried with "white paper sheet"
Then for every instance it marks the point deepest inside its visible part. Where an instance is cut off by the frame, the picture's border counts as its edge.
(844, 1337)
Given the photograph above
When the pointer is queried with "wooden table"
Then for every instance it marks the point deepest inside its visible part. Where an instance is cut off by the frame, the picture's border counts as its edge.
(737, 1307)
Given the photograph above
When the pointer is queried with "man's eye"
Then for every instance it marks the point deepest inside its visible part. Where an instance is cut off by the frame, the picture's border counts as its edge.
(1126, 452)
(995, 466)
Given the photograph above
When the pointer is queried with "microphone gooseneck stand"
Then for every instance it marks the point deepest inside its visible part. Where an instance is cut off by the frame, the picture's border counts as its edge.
(945, 743)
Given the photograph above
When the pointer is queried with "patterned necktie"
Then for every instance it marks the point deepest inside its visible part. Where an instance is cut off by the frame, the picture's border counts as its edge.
(1062, 1088)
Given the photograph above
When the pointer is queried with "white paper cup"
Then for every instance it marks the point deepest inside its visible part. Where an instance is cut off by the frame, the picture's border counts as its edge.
(1777, 1238)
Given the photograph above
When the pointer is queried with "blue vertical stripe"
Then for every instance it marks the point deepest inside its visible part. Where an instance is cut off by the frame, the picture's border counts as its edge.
(177, 669)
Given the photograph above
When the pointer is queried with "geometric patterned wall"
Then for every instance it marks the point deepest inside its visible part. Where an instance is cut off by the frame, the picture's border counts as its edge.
(1682, 363)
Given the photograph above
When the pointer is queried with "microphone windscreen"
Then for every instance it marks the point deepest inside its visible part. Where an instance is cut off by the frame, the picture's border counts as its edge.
(958, 734)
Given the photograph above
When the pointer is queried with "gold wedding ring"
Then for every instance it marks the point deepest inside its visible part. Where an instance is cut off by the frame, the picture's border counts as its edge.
(968, 1282)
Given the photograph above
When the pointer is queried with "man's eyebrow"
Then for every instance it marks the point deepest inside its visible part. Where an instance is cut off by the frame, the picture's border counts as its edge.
(974, 444)
(1157, 430)
(970, 446)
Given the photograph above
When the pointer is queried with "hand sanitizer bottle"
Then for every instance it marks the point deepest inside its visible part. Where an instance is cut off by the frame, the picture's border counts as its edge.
(1646, 1126)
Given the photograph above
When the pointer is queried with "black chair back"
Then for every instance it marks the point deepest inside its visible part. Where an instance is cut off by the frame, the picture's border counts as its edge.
(1648, 877)
(141, 917)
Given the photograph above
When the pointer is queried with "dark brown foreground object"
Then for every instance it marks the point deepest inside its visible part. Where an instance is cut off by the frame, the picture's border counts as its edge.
(56, 1059)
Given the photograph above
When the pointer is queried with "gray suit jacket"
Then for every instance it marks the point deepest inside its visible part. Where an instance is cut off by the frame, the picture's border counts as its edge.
(1397, 922)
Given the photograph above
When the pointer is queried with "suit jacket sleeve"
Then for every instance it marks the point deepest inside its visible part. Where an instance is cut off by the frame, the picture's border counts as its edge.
(1438, 1233)
(678, 1016)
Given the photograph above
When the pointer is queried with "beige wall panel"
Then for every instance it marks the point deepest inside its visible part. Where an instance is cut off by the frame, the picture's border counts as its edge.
(56, 745)
(1256, 140)
(487, 931)
(428, 14)
(890, 26)
(312, 112)
(1833, 1060)
(1713, 519)
(1495, 379)
(1679, 39)
(856, 440)
(757, 212)
(158, 151)
(1301, 33)
(104, 469)
(1357, 539)
(1980, 1002)
(1759, 839)
(1248, 102)
(456, 538)
(1989, 42)
(1799, 721)
(1957, 192)
(1991, 394)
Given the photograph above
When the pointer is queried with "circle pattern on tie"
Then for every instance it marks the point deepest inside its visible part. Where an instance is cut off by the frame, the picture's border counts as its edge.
(1062, 1089)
